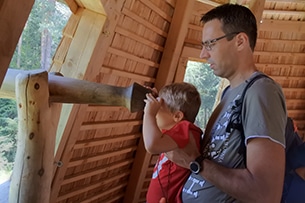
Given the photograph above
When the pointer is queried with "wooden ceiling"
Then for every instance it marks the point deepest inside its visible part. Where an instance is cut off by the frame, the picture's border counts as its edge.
(119, 42)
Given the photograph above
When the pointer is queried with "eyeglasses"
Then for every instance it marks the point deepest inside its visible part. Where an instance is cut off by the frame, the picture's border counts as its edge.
(210, 43)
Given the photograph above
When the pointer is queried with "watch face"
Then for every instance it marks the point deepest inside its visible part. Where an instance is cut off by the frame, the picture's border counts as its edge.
(195, 167)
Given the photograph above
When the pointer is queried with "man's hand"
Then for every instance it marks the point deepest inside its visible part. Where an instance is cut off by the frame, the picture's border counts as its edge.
(183, 157)
(162, 200)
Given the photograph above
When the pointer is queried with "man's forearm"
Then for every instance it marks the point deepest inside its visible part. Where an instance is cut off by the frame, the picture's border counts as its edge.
(238, 183)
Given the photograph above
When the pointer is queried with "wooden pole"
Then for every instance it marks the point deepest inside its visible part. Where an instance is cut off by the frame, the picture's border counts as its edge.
(33, 169)
(69, 90)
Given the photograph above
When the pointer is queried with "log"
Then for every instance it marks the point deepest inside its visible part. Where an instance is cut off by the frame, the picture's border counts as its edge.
(70, 90)
(37, 125)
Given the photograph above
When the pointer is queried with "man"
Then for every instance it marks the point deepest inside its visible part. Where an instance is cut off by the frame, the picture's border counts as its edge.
(224, 174)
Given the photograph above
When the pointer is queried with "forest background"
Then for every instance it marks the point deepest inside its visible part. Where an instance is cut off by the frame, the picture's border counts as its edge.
(37, 44)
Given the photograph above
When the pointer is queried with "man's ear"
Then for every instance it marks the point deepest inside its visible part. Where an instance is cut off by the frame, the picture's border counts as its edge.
(178, 116)
(241, 40)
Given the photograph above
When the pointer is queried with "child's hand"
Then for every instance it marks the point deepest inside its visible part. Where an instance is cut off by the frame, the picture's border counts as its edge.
(154, 91)
(152, 105)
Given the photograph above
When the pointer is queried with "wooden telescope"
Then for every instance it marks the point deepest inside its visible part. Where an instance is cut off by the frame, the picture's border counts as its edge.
(39, 96)
(69, 90)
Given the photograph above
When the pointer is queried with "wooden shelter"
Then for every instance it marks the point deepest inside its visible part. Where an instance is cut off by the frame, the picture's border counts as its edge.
(99, 154)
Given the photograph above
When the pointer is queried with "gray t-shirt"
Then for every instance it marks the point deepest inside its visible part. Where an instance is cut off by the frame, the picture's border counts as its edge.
(263, 115)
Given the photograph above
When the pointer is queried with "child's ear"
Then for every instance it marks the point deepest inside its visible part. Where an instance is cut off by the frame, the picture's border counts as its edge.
(178, 116)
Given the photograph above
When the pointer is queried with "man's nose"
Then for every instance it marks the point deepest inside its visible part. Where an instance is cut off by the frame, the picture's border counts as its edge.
(204, 54)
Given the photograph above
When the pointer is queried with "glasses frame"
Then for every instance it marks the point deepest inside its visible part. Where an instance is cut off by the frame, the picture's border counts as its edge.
(210, 43)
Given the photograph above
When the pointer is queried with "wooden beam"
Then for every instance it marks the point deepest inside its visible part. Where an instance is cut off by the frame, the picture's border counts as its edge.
(287, 1)
(13, 16)
(69, 129)
(285, 12)
(72, 5)
(93, 5)
(276, 65)
(174, 43)
(257, 7)
(211, 3)
(282, 26)
(275, 53)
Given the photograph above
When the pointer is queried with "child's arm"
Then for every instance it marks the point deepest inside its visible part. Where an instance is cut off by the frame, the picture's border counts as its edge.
(155, 142)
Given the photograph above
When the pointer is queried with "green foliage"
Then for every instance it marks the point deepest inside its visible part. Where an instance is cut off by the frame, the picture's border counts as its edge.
(8, 133)
(49, 16)
(200, 75)
(46, 17)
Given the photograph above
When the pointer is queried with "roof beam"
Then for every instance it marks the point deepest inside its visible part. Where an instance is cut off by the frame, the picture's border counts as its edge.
(174, 43)
(282, 26)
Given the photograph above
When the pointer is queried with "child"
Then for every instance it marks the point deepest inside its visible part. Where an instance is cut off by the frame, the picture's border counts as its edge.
(168, 124)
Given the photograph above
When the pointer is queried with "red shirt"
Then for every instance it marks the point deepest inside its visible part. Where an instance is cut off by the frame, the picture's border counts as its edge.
(168, 178)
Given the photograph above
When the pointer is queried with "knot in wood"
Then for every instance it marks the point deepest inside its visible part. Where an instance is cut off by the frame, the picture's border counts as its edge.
(36, 86)
(31, 136)
(41, 172)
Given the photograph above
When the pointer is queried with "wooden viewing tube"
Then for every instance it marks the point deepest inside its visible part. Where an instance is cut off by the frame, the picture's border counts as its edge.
(39, 96)
(70, 90)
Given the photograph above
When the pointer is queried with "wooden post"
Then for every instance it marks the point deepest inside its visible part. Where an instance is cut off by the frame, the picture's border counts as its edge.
(33, 169)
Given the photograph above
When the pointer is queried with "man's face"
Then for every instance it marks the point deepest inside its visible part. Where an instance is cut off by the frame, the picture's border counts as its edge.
(217, 50)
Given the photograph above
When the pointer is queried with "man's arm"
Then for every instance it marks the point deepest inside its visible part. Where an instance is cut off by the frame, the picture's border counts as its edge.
(261, 181)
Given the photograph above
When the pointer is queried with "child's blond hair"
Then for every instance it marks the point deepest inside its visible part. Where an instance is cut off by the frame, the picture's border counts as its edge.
(182, 97)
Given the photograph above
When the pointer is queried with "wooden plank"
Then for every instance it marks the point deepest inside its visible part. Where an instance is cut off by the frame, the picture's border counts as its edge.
(290, 78)
(13, 16)
(100, 125)
(284, 12)
(276, 53)
(138, 38)
(113, 10)
(287, 1)
(174, 43)
(132, 57)
(85, 38)
(285, 66)
(86, 174)
(144, 22)
(138, 174)
(84, 41)
(70, 128)
(82, 161)
(282, 26)
(257, 8)
(94, 5)
(97, 142)
(211, 3)
(91, 186)
(127, 74)
(72, 5)
(105, 193)
(152, 6)
(281, 41)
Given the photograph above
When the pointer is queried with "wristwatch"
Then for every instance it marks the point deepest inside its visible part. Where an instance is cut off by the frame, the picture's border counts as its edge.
(195, 166)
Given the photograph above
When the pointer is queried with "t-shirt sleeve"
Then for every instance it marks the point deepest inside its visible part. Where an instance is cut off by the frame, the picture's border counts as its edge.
(180, 132)
(264, 111)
